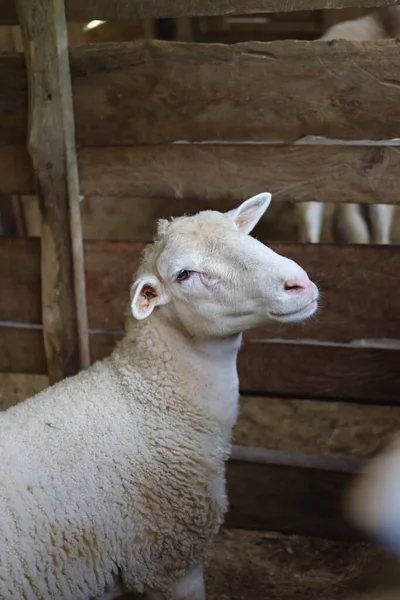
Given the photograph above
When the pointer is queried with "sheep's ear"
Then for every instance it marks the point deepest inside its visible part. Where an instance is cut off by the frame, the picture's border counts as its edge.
(247, 215)
(145, 296)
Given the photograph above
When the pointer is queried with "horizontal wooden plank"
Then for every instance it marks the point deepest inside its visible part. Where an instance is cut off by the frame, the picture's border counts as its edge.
(314, 371)
(108, 10)
(134, 219)
(222, 172)
(311, 426)
(276, 369)
(360, 295)
(290, 492)
(154, 92)
(219, 173)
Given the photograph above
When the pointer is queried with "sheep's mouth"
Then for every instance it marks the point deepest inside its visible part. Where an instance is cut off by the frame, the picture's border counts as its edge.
(300, 313)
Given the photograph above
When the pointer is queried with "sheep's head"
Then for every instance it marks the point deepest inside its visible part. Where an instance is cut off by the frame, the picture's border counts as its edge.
(206, 273)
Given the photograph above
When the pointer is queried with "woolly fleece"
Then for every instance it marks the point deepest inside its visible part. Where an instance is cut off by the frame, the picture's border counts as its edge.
(108, 474)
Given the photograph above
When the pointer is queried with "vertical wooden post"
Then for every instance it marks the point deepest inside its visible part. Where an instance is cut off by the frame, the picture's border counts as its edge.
(51, 144)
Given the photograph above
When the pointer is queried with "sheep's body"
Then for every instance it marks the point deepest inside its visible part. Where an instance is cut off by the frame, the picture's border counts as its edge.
(114, 480)
(140, 468)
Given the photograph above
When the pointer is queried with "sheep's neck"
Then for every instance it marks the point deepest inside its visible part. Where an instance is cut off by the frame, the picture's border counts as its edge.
(204, 371)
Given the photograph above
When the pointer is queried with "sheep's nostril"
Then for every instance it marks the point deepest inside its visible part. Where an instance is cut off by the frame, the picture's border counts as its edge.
(297, 285)
(289, 287)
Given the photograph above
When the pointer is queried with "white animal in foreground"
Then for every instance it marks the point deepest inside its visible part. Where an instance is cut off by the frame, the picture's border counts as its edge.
(351, 225)
(114, 479)
(374, 502)
(373, 505)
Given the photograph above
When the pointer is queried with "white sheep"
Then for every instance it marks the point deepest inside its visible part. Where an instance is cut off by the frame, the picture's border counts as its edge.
(373, 505)
(114, 480)
(350, 222)
(374, 502)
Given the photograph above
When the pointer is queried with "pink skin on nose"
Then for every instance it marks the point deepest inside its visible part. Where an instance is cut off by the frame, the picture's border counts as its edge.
(299, 284)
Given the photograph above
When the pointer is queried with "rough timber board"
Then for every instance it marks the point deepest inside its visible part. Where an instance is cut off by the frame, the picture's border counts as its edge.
(358, 284)
(154, 92)
(51, 145)
(314, 427)
(278, 91)
(312, 371)
(219, 172)
(290, 492)
(133, 9)
(216, 173)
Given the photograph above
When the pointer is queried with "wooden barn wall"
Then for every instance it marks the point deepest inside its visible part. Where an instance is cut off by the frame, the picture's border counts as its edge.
(350, 351)
(109, 10)
(298, 25)
(225, 172)
(126, 141)
(314, 89)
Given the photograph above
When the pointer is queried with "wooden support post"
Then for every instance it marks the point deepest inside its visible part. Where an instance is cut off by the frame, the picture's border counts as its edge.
(51, 144)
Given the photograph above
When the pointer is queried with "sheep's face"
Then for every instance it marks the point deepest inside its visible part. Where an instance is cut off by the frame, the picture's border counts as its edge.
(209, 276)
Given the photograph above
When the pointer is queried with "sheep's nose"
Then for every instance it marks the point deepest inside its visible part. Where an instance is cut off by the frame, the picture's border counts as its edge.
(300, 283)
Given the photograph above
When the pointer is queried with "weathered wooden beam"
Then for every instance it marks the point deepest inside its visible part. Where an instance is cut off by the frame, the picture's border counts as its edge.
(314, 427)
(216, 173)
(155, 9)
(51, 147)
(312, 370)
(290, 492)
(273, 91)
(277, 91)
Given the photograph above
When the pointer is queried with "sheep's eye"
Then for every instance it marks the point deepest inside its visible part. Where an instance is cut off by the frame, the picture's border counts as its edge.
(183, 275)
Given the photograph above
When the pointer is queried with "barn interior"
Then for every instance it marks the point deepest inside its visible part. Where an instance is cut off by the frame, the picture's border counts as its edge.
(174, 113)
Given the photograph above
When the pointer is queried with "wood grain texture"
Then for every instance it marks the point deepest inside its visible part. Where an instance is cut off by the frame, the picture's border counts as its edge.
(360, 295)
(131, 9)
(43, 29)
(290, 492)
(216, 173)
(313, 371)
(278, 91)
(154, 92)
(312, 426)
(73, 185)
(236, 172)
